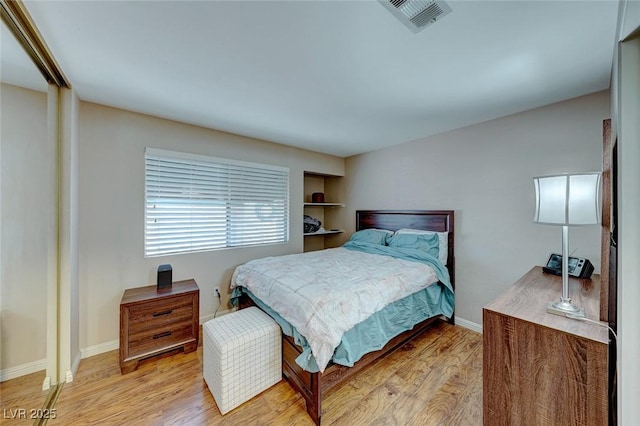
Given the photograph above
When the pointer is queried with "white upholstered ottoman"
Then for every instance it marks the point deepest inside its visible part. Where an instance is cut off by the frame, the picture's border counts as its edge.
(242, 356)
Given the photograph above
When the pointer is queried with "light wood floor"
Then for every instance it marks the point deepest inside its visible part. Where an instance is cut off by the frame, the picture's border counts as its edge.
(435, 380)
(23, 393)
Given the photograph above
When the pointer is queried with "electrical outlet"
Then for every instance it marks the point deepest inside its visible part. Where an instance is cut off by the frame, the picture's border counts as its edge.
(217, 293)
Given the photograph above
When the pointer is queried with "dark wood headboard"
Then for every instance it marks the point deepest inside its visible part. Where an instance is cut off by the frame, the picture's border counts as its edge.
(428, 220)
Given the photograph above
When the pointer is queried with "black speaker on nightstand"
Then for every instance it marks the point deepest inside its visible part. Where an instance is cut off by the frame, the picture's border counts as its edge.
(164, 276)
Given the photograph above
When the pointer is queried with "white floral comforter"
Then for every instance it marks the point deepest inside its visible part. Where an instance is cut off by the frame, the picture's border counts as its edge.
(325, 293)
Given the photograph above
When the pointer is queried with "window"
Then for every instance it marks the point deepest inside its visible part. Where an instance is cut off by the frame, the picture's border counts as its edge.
(198, 203)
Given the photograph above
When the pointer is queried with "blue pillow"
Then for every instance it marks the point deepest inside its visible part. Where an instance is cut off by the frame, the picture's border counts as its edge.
(373, 236)
(427, 243)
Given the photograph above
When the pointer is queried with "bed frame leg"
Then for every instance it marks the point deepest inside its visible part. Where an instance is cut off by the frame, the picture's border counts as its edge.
(314, 404)
(308, 389)
(314, 416)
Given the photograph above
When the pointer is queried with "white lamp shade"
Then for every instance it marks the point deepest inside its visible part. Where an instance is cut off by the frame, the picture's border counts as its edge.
(568, 199)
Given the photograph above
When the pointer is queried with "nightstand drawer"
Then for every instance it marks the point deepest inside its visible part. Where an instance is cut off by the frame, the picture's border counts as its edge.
(150, 340)
(160, 313)
(153, 321)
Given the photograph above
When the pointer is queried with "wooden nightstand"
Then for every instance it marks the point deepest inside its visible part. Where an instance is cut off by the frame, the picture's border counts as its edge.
(540, 368)
(152, 321)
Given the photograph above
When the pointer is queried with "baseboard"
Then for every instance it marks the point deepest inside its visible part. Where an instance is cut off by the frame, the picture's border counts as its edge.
(23, 370)
(74, 368)
(218, 314)
(468, 324)
(32, 367)
(115, 344)
(46, 383)
(99, 349)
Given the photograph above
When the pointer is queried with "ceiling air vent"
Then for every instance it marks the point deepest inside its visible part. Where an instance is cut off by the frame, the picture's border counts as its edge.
(417, 14)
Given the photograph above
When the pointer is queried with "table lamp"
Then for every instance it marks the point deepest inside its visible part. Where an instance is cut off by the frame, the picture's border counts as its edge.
(567, 199)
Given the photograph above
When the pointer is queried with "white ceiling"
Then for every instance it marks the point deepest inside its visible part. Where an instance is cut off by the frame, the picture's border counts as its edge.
(339, 77)
(15, 65)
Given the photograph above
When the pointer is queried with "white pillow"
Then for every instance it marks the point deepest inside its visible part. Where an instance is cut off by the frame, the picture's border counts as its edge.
(443, 241)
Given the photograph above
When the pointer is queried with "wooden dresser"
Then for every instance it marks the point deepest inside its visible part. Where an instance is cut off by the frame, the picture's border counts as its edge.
(540, 368)
(154, 321)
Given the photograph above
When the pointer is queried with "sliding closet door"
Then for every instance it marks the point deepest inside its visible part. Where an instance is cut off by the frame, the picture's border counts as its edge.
(28, 228)
(609, 259)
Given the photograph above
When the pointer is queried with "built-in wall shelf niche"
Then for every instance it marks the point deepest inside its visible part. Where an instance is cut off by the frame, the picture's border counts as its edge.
(323, 204)
(325, 232)
(325, 212)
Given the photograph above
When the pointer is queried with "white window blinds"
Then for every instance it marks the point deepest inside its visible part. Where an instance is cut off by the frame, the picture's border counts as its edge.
(197, 203)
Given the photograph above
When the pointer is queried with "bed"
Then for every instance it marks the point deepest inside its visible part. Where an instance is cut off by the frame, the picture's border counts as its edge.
(315, 380)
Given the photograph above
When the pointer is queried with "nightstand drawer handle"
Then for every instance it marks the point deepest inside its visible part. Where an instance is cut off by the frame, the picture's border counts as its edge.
(159, 314)
(165, 334)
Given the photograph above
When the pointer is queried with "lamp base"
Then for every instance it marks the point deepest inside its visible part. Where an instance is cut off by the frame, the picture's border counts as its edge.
(564, 307)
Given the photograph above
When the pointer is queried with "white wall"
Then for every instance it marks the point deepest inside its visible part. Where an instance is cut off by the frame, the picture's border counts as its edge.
(68, 288)
(111, 202)
(28, 206)
(629, 231)
(484, 172)
(625, 96)
(629, 19)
